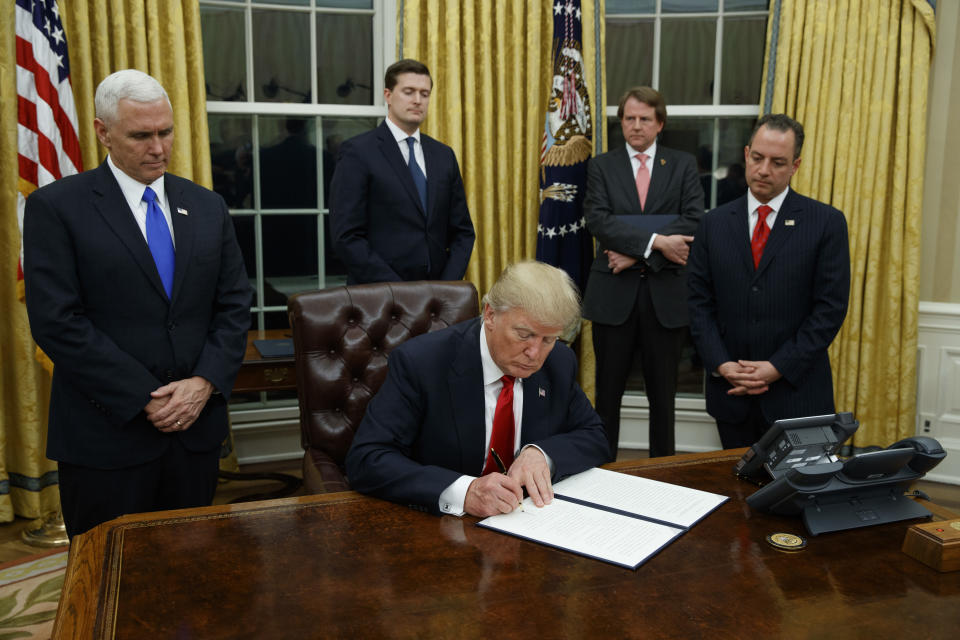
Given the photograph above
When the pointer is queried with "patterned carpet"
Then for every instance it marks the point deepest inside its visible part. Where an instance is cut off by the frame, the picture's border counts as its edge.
(29, 591)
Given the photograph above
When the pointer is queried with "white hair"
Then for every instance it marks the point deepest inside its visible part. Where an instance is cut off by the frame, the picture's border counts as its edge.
(129, 84)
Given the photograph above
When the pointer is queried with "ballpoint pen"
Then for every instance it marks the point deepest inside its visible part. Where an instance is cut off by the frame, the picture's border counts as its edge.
(503, 470)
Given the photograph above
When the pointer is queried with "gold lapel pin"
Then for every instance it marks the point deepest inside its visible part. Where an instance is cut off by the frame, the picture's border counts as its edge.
(662, 161)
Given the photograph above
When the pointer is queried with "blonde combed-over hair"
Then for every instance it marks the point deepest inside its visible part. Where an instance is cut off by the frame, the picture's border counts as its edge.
(546, 294)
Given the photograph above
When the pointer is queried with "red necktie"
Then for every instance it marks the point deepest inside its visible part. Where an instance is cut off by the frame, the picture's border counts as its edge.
(643, 179)
(760, 234)
(502, 435)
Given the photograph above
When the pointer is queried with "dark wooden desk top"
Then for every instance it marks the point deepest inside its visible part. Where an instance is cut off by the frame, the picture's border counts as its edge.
(345, 566)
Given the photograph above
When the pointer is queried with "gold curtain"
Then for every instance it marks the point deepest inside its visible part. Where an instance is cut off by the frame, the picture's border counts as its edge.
(855, 75)
(103, 36)
(108, 35)
(491, 65)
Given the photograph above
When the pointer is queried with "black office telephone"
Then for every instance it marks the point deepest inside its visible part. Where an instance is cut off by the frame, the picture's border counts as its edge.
(796, 442)
(864, 490)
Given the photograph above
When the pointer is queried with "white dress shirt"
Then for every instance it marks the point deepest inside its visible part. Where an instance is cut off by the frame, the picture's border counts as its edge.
(133, 193)
(401, 137)
(753, 204)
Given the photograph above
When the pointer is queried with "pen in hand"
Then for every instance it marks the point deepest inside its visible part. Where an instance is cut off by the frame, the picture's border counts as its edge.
(503, 470)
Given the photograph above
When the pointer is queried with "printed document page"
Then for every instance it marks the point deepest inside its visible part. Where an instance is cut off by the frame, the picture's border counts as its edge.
(642, 496)
(591, 532)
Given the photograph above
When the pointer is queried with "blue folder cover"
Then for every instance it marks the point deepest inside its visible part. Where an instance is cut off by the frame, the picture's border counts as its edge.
(277, 348)
(650, 223)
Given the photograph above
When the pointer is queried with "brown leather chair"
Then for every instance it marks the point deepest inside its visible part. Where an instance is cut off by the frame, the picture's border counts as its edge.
(342, 338)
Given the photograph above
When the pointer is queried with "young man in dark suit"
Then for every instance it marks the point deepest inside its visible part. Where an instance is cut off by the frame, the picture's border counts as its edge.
(769, 283)
(499, 383)
(397, 206)
(136, 289)
(636, 294)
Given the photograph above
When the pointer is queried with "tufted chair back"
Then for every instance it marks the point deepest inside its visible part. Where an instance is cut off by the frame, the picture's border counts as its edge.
(342, 338)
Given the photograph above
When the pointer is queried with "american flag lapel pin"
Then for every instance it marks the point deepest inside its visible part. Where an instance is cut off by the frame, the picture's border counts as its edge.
(541, 392)
(182, 211)
(789, 223)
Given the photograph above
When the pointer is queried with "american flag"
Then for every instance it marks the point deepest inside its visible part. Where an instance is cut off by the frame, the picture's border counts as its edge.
(47, 141)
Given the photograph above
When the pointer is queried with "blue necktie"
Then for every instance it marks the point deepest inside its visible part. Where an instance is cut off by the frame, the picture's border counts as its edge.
(418, 178)
(159, 240)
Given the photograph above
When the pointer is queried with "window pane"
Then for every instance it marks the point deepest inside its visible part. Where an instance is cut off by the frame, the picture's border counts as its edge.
(295, 3)
(246, 236)
(231, 158)
(695, 136)
(289, 251)
(348, 4)
(224, 52)
(746, 5)
(281, 56)
(742, 66)
(342, 77)
(686, 60)
(288, 163)
(629, 56)
(689, 6)
(734, 134)
(277, 320)
(630, 6)
(614, 133)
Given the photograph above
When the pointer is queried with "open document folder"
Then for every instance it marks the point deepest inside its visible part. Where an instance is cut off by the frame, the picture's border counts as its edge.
(610, 516)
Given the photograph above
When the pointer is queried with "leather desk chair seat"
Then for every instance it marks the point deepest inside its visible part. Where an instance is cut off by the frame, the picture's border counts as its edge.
(342, 339)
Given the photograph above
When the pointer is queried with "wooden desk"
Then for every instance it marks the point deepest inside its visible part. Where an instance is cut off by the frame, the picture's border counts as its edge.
(265, 374)
(347, 566)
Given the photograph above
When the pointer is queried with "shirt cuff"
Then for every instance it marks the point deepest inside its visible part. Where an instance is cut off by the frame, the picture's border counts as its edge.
(453, 497)
(649, 250)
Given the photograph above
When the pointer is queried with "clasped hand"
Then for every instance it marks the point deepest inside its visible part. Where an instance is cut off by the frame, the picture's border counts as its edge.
(497, 493)
(175, 406)
(675, 248)
(749, 377)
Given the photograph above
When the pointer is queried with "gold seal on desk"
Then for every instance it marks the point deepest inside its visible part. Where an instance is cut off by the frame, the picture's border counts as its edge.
(786, 541)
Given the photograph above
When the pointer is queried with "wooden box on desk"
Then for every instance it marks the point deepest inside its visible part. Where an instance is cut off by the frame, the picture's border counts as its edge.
(935, 544)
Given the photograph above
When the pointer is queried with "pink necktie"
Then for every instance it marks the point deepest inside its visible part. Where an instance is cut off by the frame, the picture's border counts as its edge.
(760, 234)
(643, 179)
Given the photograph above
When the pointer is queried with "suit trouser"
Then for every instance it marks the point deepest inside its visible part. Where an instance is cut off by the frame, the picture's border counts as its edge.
(746, 432)
(659, 349)
(178, 479)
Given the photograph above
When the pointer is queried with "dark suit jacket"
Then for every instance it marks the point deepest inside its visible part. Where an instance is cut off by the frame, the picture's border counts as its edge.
(425, 427)
(611, 192)
(786, 311)
(98, 309)
(379, 227)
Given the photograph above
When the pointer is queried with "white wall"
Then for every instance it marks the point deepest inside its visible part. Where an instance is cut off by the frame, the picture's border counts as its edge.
(938, 384)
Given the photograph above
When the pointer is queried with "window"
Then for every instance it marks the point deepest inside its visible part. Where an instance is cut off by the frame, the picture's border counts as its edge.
(287, 81)
(706, 58)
